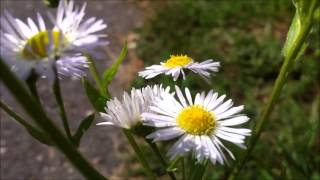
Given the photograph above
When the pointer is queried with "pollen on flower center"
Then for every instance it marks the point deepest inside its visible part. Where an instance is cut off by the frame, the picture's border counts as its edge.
(36, 47)
(176, 61)
(196, 120)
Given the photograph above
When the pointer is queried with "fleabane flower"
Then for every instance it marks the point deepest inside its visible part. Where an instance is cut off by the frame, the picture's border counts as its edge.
(27, 46)
(127, 112)
(79, 33)
(33, 46)
(199, 125)
(176, 65)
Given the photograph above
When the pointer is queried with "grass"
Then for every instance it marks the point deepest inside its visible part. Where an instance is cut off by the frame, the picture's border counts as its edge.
(246, 37)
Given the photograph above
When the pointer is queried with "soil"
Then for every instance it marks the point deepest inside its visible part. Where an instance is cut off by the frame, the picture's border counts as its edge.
(25, 158)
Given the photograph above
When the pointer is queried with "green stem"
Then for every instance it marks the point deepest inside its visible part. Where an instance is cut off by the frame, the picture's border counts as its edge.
(280, 81)
(37, 113)
(156, 150)
(183, 170)
(33, 131)
(95, 75)
(199, 170)
(17, 117)
(58, 97)
(31, 82)
(139, 154)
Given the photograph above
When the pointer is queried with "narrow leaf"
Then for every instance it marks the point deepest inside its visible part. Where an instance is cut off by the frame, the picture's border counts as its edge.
(97, 100)
(172, 166)
(84, 126)
(109, 74)
(41, 137)
(292, 36)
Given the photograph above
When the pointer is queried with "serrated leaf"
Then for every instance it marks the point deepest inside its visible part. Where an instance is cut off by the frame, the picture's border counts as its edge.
(97, 100)
(109, 74)
(83, 127)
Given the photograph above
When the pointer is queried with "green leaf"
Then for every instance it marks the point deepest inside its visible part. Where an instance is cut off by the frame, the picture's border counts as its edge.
(41, 137)
(302, 7)
(109, 74)
(173, 165)
(84, 126)
(97, 100)
(292, 36)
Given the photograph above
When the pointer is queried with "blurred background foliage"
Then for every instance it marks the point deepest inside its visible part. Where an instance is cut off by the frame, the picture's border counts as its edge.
(247, 38)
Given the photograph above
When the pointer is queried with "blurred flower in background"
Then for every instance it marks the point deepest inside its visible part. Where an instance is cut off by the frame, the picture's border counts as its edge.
(30, 47)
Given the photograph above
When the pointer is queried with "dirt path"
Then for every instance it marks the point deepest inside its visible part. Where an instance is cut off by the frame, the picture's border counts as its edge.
(24, 158)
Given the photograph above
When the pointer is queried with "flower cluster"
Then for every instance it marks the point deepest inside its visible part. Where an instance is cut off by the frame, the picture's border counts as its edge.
(33, 46)
(199, 124)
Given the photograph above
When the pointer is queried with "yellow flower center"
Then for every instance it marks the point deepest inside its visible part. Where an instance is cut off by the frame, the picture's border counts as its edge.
(35, 48)
(196, 120)
(176, 61)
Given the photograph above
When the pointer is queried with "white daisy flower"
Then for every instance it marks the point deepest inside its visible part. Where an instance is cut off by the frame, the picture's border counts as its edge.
(200, 124)
(175, 65)
(127, 113)
(33, 46)
(79, 33)
(27, 46)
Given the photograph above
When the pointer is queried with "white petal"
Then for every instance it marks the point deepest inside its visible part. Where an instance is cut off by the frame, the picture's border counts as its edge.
(181, 97)
(165, 134)
(234, 121)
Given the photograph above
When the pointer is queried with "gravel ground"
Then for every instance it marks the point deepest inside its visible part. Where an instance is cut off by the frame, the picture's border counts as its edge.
(25, 158)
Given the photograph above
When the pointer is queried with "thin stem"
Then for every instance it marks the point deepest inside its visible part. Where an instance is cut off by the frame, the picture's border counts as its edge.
(17, 117)
(58, 97)
(33, 131)
(95, 75)
(140, 155)
(31, 82)
(174, 163)
(199, 170)
(37, 113)
(156, 150)
(280, 81)
(183, 170)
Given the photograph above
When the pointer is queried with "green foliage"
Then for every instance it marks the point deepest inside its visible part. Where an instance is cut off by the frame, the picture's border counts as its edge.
(97, 100)
(83, 127)
(247, 38)
(40, 136)
(109, 73)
